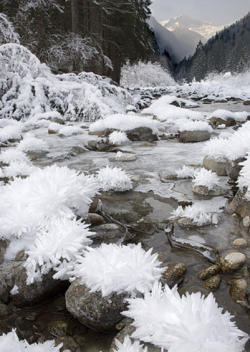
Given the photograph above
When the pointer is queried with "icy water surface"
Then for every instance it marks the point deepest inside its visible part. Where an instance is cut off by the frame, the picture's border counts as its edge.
(147, 208)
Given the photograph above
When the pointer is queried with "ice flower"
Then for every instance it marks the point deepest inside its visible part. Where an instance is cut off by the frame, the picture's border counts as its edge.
(10, 342)
(195, 212)
(119, 268)
(114, 179)
(206, 178)
(188, 323)
(30, 143)
(118, 137)
(185, 172)
(129, 346)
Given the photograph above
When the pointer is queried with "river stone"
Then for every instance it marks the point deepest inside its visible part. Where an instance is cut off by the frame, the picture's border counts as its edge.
(238, 289)
(231, 261)
(93, 310)
(216, 166)
(194, 136)
(94, 219)
(175, 270)
(240, 243)
(141, 134)
(246, 102)
(4, 291)
(60, 328)
(125, 157)
(213, 283)
(217, 121)
(204, 191)
(246, 221)
(107, 233)
(240, 204)
(208, 272)
(233, 168)
(69, 344)
(38, 292)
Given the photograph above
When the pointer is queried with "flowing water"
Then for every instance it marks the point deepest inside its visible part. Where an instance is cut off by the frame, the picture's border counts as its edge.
(146, 209)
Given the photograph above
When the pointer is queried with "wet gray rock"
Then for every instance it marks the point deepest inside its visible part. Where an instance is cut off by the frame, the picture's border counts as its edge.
(233, 168)
(246, 102)
(217, 121)
(175, 270)
(238, 289)
(93, 310)
(37, 293)
(7, 269)
(108, 233)
(204, 191)
(213, 283)
(208, 272)
(60, 328)
(3, 246)
(4, 291)
(141, 134)
(231, 261)
(194, 136)
(216, 166)
(240, 204)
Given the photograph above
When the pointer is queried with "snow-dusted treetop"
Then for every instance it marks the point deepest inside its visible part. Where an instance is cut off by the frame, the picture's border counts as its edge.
(180, 324)
(7, 33)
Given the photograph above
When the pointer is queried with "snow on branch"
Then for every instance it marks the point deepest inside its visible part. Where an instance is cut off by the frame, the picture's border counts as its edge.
(7, 33)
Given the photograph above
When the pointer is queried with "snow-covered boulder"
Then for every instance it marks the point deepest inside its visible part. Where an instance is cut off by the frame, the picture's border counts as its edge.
(106, 276)
(194, 131)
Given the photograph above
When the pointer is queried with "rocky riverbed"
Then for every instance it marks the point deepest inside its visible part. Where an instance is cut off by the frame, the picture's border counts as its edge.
(211, 258)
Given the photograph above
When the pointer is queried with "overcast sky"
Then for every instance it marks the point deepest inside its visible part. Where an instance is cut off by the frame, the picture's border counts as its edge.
(220, 12)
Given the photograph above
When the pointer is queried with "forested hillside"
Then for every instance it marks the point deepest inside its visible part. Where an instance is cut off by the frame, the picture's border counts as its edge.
(228, 50)
(76, 35)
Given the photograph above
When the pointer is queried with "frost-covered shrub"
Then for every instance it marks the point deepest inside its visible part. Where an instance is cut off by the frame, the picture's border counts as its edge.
(194, 126)
(197, 213)
(206, 178)
(7, 33)
(188, 323)
(117, 268)
(58, 246)
(30, 89)
(185, 172)
(27, 205)
(118, 138)
(123, 122)
(10, 342)
(30, 143)
(114, 179)
(145, 75)
(129, 346)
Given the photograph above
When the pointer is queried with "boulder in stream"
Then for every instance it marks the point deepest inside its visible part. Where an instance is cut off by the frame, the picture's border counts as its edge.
(218, 167)
(194, 136)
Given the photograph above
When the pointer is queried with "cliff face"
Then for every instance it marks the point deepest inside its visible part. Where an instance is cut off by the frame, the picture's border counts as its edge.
(77, 35)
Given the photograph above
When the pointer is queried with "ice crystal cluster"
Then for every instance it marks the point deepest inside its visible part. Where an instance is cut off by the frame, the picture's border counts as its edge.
(244, 177)
(10, 342)
(185, 172)
(197, 213)
(118, 268)
(38, 214)
(114, 179)
(188, 323)
(118, 138)
(206, 178)
(129, 346)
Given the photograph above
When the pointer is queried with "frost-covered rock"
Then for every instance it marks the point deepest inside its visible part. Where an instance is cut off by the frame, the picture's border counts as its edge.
(219, 167)
(114, 179)
(188, 323)
(11, 342)
(106, 276)
(207, 183)
(118, 138)
(194, 215)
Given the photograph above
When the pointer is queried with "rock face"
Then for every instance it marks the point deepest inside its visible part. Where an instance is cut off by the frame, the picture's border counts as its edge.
(204, 191)
(231, 261)
(92, 309)
(194, 136)
(216, 166)
(240, 204)
(37, 293)
(141, 134)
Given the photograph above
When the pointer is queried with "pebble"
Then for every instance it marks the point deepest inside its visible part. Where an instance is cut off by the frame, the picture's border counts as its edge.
(210, 271)
(231, 261)
(238, 289)
(240, 243)
(213, 283)
(175, 270)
